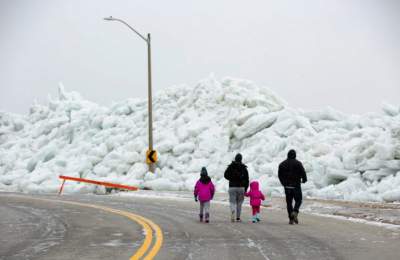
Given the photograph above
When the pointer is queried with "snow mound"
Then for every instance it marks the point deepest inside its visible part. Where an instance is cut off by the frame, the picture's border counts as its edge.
(346, 156)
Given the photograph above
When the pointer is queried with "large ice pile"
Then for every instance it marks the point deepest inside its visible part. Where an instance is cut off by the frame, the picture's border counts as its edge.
(346, 156)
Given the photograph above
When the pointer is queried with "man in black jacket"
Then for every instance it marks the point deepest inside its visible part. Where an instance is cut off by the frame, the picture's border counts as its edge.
(291, 174)
(238, 178)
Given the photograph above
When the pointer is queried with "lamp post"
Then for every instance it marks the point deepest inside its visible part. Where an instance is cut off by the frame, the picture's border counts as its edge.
(150, 107)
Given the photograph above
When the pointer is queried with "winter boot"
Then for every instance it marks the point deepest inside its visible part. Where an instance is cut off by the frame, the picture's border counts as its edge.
(258, 217)
(201, 217)
(254, 219)
(207, 217)
(294, 217)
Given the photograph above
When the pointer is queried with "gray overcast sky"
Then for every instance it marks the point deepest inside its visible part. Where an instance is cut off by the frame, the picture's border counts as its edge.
(343, 53)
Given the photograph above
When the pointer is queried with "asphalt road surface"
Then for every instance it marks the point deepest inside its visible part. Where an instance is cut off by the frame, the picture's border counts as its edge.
(103, 227)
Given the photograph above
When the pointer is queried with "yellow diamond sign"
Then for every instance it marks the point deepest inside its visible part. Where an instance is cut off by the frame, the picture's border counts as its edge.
(151, 156)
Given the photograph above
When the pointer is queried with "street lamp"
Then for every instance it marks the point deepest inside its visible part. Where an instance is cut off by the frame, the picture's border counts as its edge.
(150, 158)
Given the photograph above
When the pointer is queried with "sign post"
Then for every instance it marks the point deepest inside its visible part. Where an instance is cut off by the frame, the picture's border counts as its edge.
(150, 107)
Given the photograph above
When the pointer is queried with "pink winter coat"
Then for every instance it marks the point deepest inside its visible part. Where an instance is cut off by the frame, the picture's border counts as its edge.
(205, 191)
(255, 194)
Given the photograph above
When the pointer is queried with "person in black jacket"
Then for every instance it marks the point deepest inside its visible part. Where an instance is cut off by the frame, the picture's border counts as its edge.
(238, 178)
(291, 174)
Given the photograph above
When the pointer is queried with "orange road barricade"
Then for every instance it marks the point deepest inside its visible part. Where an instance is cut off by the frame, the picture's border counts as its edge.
(106, 184)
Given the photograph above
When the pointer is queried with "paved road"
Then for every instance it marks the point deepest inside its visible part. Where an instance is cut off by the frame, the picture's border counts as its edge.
(40, 229)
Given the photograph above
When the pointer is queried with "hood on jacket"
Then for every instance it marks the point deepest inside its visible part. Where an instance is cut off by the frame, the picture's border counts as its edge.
(291, 154)
(254, 185)
(203, 172)
(204, 178)
(238, 158)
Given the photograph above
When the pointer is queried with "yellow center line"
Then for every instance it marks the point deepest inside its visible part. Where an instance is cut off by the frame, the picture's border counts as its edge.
(147, 225)
(158, 243)
(148, 231)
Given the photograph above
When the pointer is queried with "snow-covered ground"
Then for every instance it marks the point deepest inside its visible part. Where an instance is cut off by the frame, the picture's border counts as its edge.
(350, 157)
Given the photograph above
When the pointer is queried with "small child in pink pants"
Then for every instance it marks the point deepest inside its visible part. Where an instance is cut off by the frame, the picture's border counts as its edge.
(256, 196)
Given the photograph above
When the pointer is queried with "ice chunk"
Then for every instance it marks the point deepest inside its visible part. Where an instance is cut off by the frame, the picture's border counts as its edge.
(183, 148)
(336, 176)
(101, 170)
(254, 125)
(391, 195)
(390, 110)
(328, 113)
(162, 184)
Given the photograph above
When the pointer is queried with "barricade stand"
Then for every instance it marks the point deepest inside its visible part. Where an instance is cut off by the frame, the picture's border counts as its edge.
(62, 187)
(106, 184)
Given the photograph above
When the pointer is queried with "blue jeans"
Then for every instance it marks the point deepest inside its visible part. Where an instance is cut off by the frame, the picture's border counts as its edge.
(236, 198)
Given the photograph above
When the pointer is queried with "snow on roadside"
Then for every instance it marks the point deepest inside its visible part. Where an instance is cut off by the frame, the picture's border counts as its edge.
(347, 157)
(378, 214)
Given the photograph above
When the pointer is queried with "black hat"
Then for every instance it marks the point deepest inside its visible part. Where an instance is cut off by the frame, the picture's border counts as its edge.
(238, 158)
(203, 172)
(291, 154)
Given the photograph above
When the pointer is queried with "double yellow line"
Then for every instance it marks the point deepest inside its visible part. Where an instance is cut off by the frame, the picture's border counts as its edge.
(148, 226)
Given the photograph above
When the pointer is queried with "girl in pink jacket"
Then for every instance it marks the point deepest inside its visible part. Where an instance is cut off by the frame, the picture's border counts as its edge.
(256, 196)
(204, 192)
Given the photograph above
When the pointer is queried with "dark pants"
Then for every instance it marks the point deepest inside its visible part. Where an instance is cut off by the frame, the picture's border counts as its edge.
(293, 193)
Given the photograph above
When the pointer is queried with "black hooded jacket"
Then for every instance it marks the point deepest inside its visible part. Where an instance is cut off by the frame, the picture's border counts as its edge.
(291, 172)
(237, 175)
